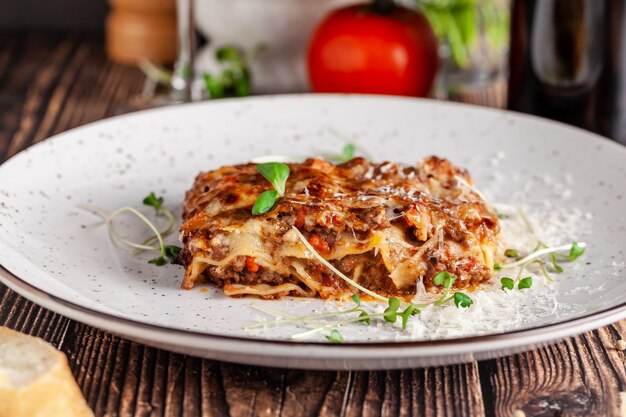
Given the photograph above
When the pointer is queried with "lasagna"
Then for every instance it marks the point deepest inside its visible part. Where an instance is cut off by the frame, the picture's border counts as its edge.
(390, 227)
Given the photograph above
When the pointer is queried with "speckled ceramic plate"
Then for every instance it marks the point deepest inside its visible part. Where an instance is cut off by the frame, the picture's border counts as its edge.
(61, 257)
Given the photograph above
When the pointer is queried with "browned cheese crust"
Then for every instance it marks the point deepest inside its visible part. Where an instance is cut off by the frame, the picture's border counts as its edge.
(388, 226)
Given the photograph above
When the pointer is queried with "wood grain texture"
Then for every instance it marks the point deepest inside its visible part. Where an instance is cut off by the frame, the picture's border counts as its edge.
(53, 82)
(582, 376)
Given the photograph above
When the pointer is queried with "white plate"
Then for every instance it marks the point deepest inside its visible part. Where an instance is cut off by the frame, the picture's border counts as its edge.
(61, 257)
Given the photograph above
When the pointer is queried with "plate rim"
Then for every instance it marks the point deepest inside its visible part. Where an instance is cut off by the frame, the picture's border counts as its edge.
(469, 344)
(576, 325)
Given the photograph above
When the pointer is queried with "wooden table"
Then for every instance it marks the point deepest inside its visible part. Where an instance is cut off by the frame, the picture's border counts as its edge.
(50, 83)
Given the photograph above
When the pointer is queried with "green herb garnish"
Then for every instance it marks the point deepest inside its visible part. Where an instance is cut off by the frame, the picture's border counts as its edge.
(365, 318)
(264, 202)
(525, 283)
(391, 312)
(150, 200)
(411, 310)
(234, 80)
(160, 261)
(335, 336)
(542, 250)
(463, 300)
(154, 201)
(442, 278)
(558, 268)
(276, 173)
(347, 153)
(497, 266)
(507, 283)
(576, 251)
(172, 251)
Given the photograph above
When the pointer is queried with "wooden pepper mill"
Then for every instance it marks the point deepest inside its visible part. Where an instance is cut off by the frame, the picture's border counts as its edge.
(140, 29)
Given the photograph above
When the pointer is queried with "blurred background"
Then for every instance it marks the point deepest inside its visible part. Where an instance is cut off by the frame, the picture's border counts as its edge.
(561, 59)
(53, 14)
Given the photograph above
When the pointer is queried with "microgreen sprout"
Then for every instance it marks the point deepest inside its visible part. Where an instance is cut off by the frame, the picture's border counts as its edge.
(541, 250)
(172, 251)
(558, 268)
(159, 261)
(507, 283)
(525, 283)
(154, 201)
(335, 336)
(166, 251)
(347, 153)
(445, 280)
(463, 300)
(365, 318)
(276, 173)
(576, 251)
(358, 313)
(522, 283)
(411, 310)
(391, 312)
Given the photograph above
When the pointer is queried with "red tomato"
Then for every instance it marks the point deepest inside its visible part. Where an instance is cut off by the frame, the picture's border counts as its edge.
(358, 49)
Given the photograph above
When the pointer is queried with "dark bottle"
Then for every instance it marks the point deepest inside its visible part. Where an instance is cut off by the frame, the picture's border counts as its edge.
(568, 63)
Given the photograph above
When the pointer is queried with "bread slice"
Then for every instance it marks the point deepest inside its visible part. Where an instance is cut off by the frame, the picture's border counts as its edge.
(35, 379)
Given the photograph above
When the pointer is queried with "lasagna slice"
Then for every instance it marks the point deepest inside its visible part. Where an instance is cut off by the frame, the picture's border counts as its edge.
(389, 227)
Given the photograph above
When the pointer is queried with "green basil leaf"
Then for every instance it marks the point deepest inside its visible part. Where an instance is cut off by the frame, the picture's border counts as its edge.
(264, 202)
(276, 173)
